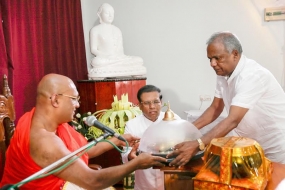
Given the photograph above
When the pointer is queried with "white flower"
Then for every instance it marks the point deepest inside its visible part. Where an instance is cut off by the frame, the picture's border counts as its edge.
(84, 119)
(75, 128)
(89, 113)
(78, 115)
(79, 127)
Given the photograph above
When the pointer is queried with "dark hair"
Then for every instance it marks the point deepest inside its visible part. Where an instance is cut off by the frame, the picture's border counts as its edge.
(148, 88)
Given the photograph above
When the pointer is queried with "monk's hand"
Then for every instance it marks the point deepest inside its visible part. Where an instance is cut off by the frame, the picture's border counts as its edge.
(132, 140)
(146, 160)
(182, 153)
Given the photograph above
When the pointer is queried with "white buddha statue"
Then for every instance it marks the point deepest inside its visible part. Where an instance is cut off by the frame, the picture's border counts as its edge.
(106, 44)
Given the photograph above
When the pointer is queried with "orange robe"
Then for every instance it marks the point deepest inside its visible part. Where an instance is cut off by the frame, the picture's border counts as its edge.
(19, 164)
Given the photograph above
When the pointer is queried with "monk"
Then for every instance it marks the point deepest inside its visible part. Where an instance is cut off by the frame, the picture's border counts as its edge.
(43, 136)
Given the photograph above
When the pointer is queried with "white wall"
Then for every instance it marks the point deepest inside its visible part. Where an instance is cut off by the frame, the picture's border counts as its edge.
(170, 36)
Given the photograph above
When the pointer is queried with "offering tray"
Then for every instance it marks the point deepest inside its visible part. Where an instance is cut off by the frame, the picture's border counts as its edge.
(200, 154)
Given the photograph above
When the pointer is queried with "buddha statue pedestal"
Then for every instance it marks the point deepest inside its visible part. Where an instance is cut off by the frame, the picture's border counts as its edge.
(98, 94)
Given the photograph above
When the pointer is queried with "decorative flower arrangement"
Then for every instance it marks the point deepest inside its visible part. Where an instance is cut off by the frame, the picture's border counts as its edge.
(115, 118)
(79, 124)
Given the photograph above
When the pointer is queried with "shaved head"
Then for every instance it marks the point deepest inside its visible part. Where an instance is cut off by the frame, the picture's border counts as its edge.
(53, 84)
(49, 101)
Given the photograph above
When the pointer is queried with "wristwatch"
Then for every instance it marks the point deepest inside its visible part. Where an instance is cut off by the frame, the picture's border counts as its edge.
(201, 144)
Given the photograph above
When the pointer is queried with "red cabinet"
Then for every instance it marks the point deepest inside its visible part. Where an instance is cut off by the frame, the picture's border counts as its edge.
(98, 95)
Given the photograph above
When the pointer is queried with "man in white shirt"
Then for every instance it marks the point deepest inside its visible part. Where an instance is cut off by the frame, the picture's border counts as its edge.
(150, 102)
(254, 100)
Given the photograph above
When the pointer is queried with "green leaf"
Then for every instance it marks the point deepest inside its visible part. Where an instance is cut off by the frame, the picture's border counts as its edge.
(99, 113)
(121, 130)
(129, 114)
(121, 115)
(105, 118)
(112, 119)
(136, 112)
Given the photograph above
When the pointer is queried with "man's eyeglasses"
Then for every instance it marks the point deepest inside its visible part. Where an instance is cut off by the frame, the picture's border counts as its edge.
(74, 98)
(148, 103)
